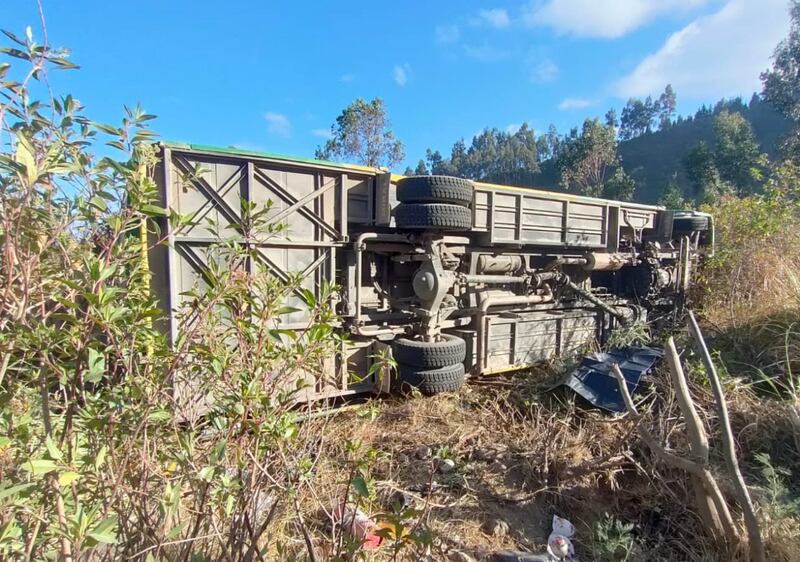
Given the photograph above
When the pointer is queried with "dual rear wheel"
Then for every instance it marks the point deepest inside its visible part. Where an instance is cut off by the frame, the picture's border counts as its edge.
(434, 203)
(689, 224)
(432, 367)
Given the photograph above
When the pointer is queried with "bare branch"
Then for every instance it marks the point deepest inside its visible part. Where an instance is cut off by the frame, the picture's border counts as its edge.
(709, 498)
(729, 447)
(670, 458)
(698, 440)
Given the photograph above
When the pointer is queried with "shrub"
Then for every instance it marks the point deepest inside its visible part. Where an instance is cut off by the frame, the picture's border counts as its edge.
(750, 290)
(114, 443)
(751, 299)
(780, 513)
(758, 252)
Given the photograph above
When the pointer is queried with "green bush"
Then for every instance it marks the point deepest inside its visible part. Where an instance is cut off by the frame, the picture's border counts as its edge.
(758, 248)
(113, 444)
(750, 289)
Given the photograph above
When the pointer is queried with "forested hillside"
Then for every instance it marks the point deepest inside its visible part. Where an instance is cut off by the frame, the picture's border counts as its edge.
(642, 155)
(652, 158)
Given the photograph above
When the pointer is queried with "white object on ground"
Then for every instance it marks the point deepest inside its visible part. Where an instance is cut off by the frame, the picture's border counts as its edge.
(559, 545)
(562, 527)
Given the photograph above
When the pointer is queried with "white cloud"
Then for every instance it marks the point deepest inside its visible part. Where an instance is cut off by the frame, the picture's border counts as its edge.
(544, 71)
(718, 55)
(484, 52)
(575, 103)
(400, 74)
(447, 34)
(512, 128)
(278, 124)
(322, 133)
(347, 77)
(496, 18)
(607, 19)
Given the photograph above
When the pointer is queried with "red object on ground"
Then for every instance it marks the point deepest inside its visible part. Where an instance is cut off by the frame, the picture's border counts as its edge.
(359, 525)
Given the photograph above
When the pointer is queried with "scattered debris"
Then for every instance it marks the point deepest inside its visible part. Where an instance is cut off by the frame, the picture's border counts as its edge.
(563, 527)
(496, 527)
(594, 381)
(359, 525)
(559, 546)
(559, 543)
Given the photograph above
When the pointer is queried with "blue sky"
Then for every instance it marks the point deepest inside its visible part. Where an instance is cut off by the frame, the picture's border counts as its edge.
(274, 75)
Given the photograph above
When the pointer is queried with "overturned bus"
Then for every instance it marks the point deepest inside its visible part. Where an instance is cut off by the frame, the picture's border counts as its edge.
(454, 278)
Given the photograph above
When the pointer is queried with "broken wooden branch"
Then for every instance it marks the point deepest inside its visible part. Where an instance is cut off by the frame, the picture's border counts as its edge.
(698, 440)
(729, 447)
(710, 501)
(713, 508)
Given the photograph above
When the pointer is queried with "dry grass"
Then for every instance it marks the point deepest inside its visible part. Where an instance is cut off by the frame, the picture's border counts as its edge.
(759, 280)
(755, 271)
(521, 455)
(750, 292)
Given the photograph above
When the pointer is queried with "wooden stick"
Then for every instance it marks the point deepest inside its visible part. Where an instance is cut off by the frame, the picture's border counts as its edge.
(698, 440)
(710, 502)
(312, 553)
(647, 437)
(729, 447)
(721, 506)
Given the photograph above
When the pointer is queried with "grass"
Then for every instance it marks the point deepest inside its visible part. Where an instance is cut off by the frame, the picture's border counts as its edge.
(522, 455)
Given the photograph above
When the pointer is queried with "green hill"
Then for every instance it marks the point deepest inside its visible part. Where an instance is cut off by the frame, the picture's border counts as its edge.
(524, 159)
(652, 158)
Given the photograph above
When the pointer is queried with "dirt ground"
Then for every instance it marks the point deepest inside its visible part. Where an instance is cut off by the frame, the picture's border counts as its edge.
(490, 465)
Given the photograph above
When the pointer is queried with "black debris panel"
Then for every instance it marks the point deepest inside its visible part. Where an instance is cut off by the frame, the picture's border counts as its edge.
(594, 381)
